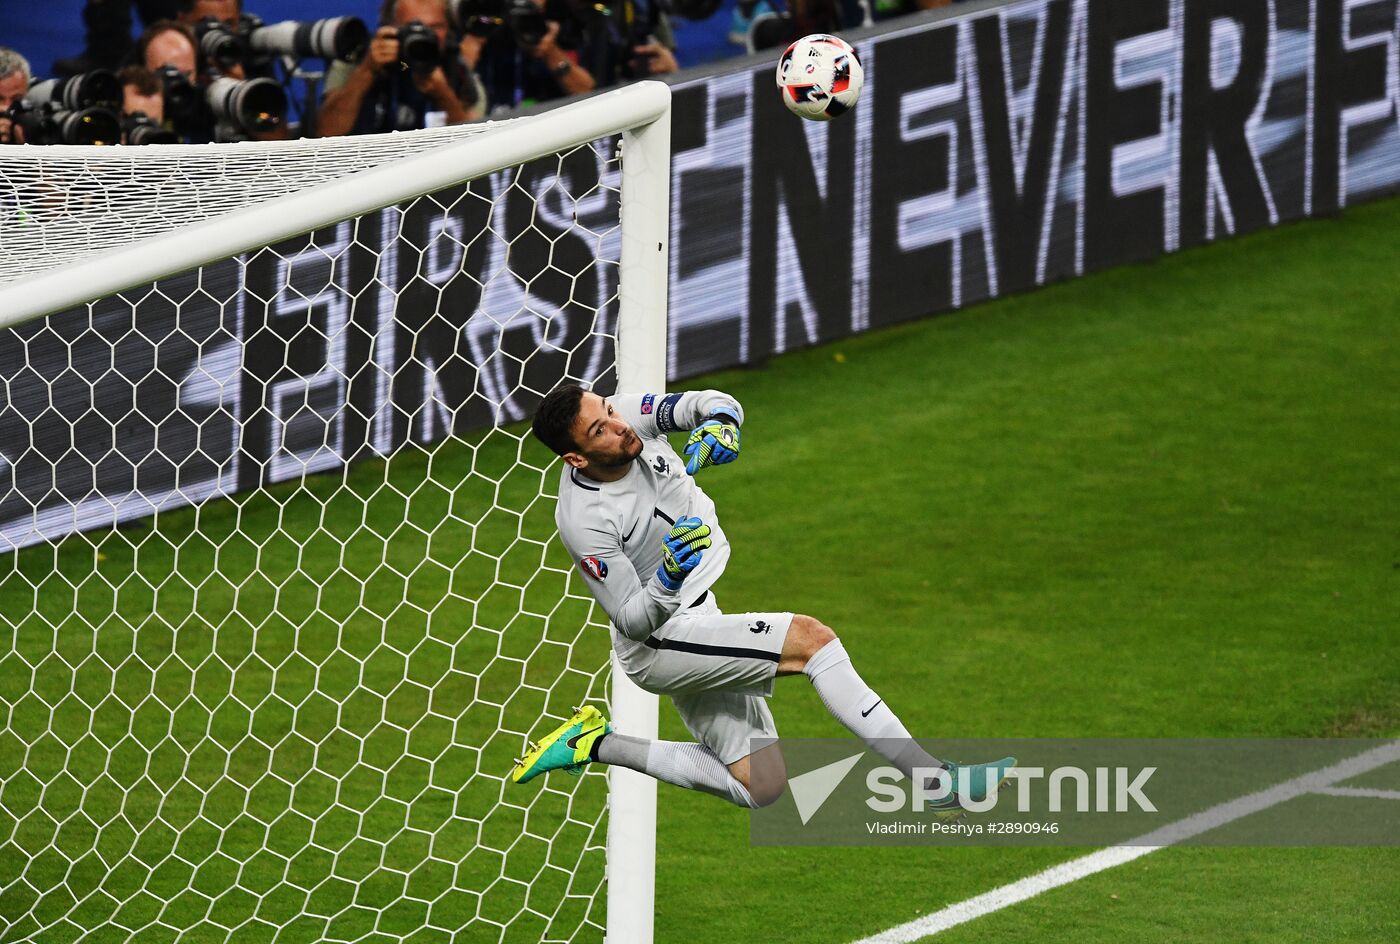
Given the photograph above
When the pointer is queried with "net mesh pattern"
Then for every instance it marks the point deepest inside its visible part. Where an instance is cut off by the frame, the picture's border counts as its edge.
(283, 597)
(63, 203)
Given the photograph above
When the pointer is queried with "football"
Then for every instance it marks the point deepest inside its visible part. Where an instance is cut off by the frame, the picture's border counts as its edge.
(820, 77)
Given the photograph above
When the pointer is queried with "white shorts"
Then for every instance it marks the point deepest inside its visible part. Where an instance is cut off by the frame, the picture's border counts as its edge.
(718, 669)
(727, 722)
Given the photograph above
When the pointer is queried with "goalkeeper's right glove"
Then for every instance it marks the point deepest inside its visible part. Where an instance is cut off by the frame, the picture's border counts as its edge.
(683, 546)
(713, 442)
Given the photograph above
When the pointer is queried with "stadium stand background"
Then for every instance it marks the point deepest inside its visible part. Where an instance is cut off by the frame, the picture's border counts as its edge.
(58, 32)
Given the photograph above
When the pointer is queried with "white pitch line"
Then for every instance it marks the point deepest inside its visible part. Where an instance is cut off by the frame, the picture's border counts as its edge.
(1171, 834)
(1360, 792)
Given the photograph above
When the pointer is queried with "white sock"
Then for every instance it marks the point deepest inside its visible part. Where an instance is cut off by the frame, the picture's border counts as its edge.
(863, 712)
(693, 766)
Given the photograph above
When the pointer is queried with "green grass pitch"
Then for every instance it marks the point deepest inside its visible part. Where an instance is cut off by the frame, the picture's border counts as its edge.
(1162, 501)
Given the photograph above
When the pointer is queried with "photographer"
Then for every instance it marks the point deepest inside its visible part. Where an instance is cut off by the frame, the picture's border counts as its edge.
(192, 13)
(227, 14)
(168, 43)
(623, 40)
(168, 51)
(202, 104)
(523, 60)
(14, 82)
(404, 81)
(143, 108)
(142, 93)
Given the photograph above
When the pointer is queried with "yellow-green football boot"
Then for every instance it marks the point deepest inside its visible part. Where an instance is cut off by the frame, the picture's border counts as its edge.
(565, 748)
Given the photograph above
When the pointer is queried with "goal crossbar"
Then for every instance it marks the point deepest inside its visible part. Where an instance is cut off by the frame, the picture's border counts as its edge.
(510, 143)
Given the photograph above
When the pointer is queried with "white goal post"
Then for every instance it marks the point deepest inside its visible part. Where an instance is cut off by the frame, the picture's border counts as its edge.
(640, 113)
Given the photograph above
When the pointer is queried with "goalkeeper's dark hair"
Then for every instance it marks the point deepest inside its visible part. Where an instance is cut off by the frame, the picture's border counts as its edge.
(555, 418)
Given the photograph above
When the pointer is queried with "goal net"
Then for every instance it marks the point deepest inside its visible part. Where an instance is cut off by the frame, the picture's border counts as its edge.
(281, 596)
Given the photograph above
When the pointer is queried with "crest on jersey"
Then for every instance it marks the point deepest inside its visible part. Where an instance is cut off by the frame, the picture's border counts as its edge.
(647, 401)
(594, 568)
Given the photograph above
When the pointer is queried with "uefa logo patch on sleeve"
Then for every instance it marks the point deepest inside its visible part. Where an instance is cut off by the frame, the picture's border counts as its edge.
(594, 568)
(647, 401)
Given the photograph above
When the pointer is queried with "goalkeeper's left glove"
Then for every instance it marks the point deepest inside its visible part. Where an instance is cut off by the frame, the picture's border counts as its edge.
(713, 442)
(682, 550)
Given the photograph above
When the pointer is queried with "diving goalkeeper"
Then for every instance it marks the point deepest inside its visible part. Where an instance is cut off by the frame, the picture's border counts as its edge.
(650, 546)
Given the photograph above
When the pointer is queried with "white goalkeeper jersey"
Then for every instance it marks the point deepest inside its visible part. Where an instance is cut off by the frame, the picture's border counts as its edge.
(613, 530)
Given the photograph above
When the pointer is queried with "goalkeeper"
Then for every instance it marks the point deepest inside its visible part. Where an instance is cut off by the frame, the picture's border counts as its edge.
(650, 546)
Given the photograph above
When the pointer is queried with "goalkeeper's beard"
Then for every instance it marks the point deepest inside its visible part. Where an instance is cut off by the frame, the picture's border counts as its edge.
(616, 460)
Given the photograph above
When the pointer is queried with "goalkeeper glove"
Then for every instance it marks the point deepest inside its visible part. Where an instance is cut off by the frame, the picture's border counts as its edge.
(683, 546)
(713, 442)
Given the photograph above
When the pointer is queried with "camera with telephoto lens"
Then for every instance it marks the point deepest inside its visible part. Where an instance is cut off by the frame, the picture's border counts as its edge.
(337, 37)
(525, 20)
(419, 51)
(138, 128)
(527, 23)
(46, 123)
(180, 96)
(81, 109)
(98, 88)
(220, 48)
(246, 107)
